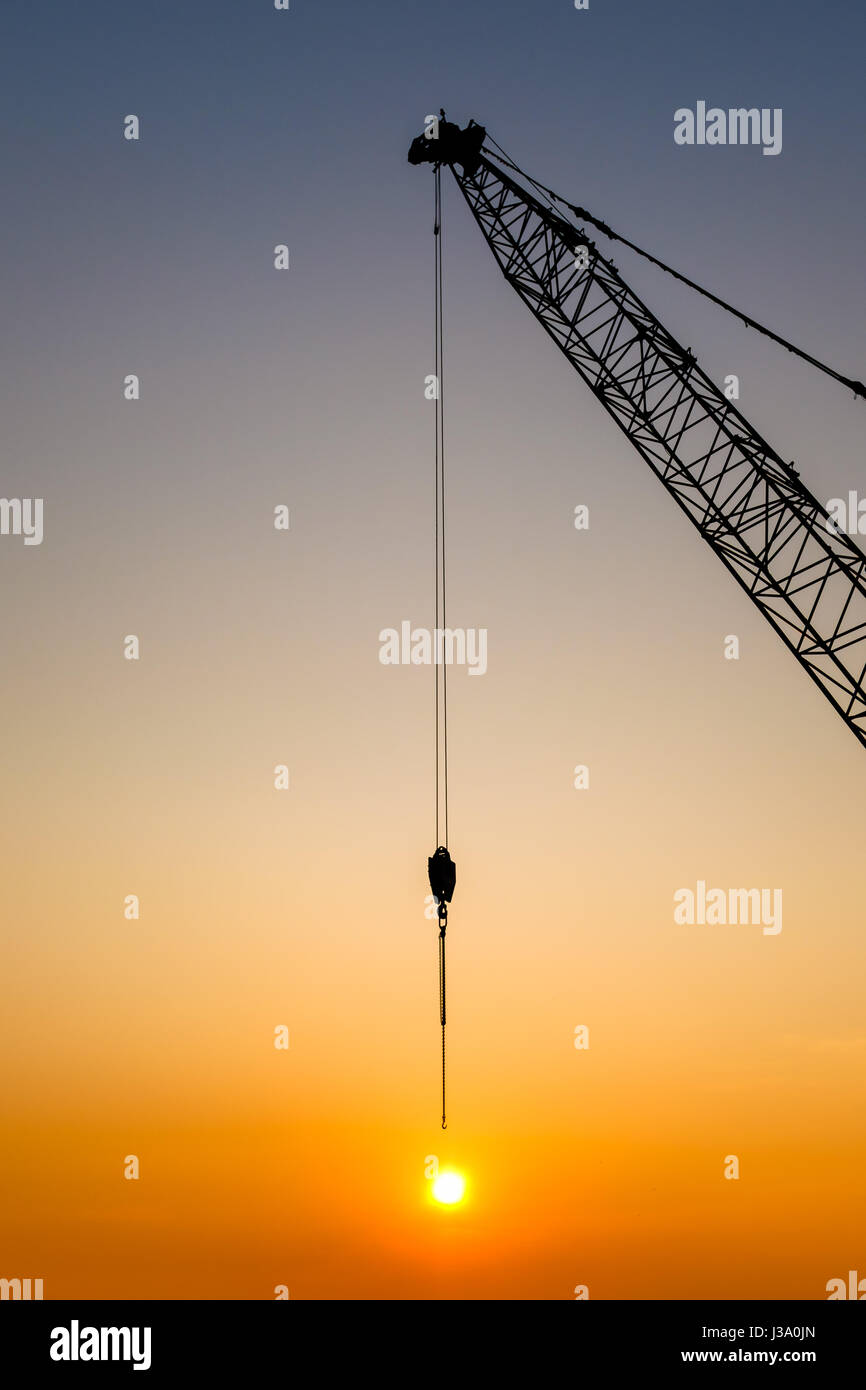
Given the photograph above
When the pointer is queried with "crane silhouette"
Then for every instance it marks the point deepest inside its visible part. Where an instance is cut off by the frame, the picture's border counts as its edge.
(806, 576)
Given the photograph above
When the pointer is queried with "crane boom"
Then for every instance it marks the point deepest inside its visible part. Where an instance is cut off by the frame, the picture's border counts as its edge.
(777, 540)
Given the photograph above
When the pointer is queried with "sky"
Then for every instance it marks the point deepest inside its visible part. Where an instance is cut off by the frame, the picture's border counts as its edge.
(305, 1168)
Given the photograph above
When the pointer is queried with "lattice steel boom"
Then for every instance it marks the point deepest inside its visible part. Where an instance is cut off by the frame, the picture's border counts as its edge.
(807, 578)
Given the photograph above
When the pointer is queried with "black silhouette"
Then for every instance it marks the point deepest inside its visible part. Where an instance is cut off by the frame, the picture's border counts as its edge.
(806, 576)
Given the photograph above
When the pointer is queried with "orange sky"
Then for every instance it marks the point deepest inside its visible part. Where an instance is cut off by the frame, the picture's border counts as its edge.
(258, 1167)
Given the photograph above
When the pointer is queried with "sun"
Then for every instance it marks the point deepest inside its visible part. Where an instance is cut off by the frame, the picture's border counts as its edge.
(448, 1188)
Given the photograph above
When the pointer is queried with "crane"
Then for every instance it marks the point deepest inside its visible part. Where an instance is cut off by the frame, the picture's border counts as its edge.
(806, 576)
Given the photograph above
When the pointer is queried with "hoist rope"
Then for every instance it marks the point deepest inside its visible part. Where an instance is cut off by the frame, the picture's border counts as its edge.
(439, 522)
(581, 213)
(439, 567)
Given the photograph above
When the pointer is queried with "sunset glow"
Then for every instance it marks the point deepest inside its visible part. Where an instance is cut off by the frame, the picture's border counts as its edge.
(224, 659)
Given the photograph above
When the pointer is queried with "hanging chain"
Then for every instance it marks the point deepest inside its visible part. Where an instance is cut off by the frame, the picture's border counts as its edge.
(442, 1016)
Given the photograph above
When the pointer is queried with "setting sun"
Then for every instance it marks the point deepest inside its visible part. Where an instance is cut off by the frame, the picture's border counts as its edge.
(448, 1188)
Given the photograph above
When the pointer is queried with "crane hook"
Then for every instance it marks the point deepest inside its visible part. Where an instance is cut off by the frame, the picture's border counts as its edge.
(442, 873)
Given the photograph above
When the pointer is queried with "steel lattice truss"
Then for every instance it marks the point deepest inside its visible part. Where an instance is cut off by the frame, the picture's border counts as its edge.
(750, 506)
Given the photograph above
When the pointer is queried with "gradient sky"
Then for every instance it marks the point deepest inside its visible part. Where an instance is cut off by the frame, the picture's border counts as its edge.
(306, 908)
